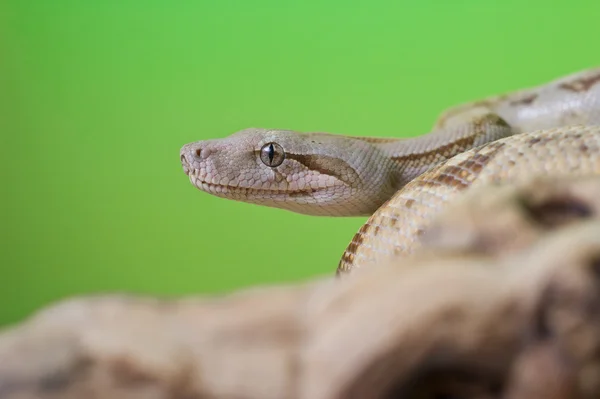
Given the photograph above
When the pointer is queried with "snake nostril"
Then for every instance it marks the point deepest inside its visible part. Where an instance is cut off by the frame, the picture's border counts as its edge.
(198, 152)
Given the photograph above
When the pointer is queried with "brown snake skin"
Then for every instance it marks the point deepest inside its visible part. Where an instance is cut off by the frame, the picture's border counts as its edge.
(402, 184)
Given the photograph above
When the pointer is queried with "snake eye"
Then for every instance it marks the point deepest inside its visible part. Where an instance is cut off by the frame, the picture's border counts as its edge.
(271, 154)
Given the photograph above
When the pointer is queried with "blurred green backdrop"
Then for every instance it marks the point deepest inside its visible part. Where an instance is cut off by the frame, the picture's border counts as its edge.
(96, 98)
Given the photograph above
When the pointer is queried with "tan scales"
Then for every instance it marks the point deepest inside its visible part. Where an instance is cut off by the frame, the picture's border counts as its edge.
(402, 184)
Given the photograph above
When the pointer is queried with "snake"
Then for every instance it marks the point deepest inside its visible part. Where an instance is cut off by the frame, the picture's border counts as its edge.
(402, 184)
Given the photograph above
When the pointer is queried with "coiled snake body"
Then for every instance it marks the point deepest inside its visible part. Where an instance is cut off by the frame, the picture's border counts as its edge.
(552, 129)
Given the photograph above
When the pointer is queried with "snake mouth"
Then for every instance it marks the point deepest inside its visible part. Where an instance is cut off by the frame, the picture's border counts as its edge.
(187, 169)
(222, 190)
(225, 189)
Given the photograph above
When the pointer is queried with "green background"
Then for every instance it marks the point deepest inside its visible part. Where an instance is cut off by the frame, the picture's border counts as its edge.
(97, 97)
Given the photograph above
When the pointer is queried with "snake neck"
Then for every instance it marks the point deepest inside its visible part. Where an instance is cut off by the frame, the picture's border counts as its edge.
(410, 157)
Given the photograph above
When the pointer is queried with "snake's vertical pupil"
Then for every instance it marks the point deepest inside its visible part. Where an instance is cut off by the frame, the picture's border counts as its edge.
(272, 154)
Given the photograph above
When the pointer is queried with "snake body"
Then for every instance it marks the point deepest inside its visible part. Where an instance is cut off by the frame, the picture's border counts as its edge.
(404, 183)
(396, 227)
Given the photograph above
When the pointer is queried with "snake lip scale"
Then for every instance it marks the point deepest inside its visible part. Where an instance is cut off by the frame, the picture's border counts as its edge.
(224, 189)
(403, 183)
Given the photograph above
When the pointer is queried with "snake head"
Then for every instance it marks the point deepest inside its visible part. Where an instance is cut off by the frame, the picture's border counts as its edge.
(309, 173)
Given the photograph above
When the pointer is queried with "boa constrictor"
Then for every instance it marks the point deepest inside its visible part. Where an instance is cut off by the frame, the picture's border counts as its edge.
(402, 184)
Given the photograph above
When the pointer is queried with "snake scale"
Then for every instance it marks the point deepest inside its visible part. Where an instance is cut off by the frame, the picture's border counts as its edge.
(402, 184)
